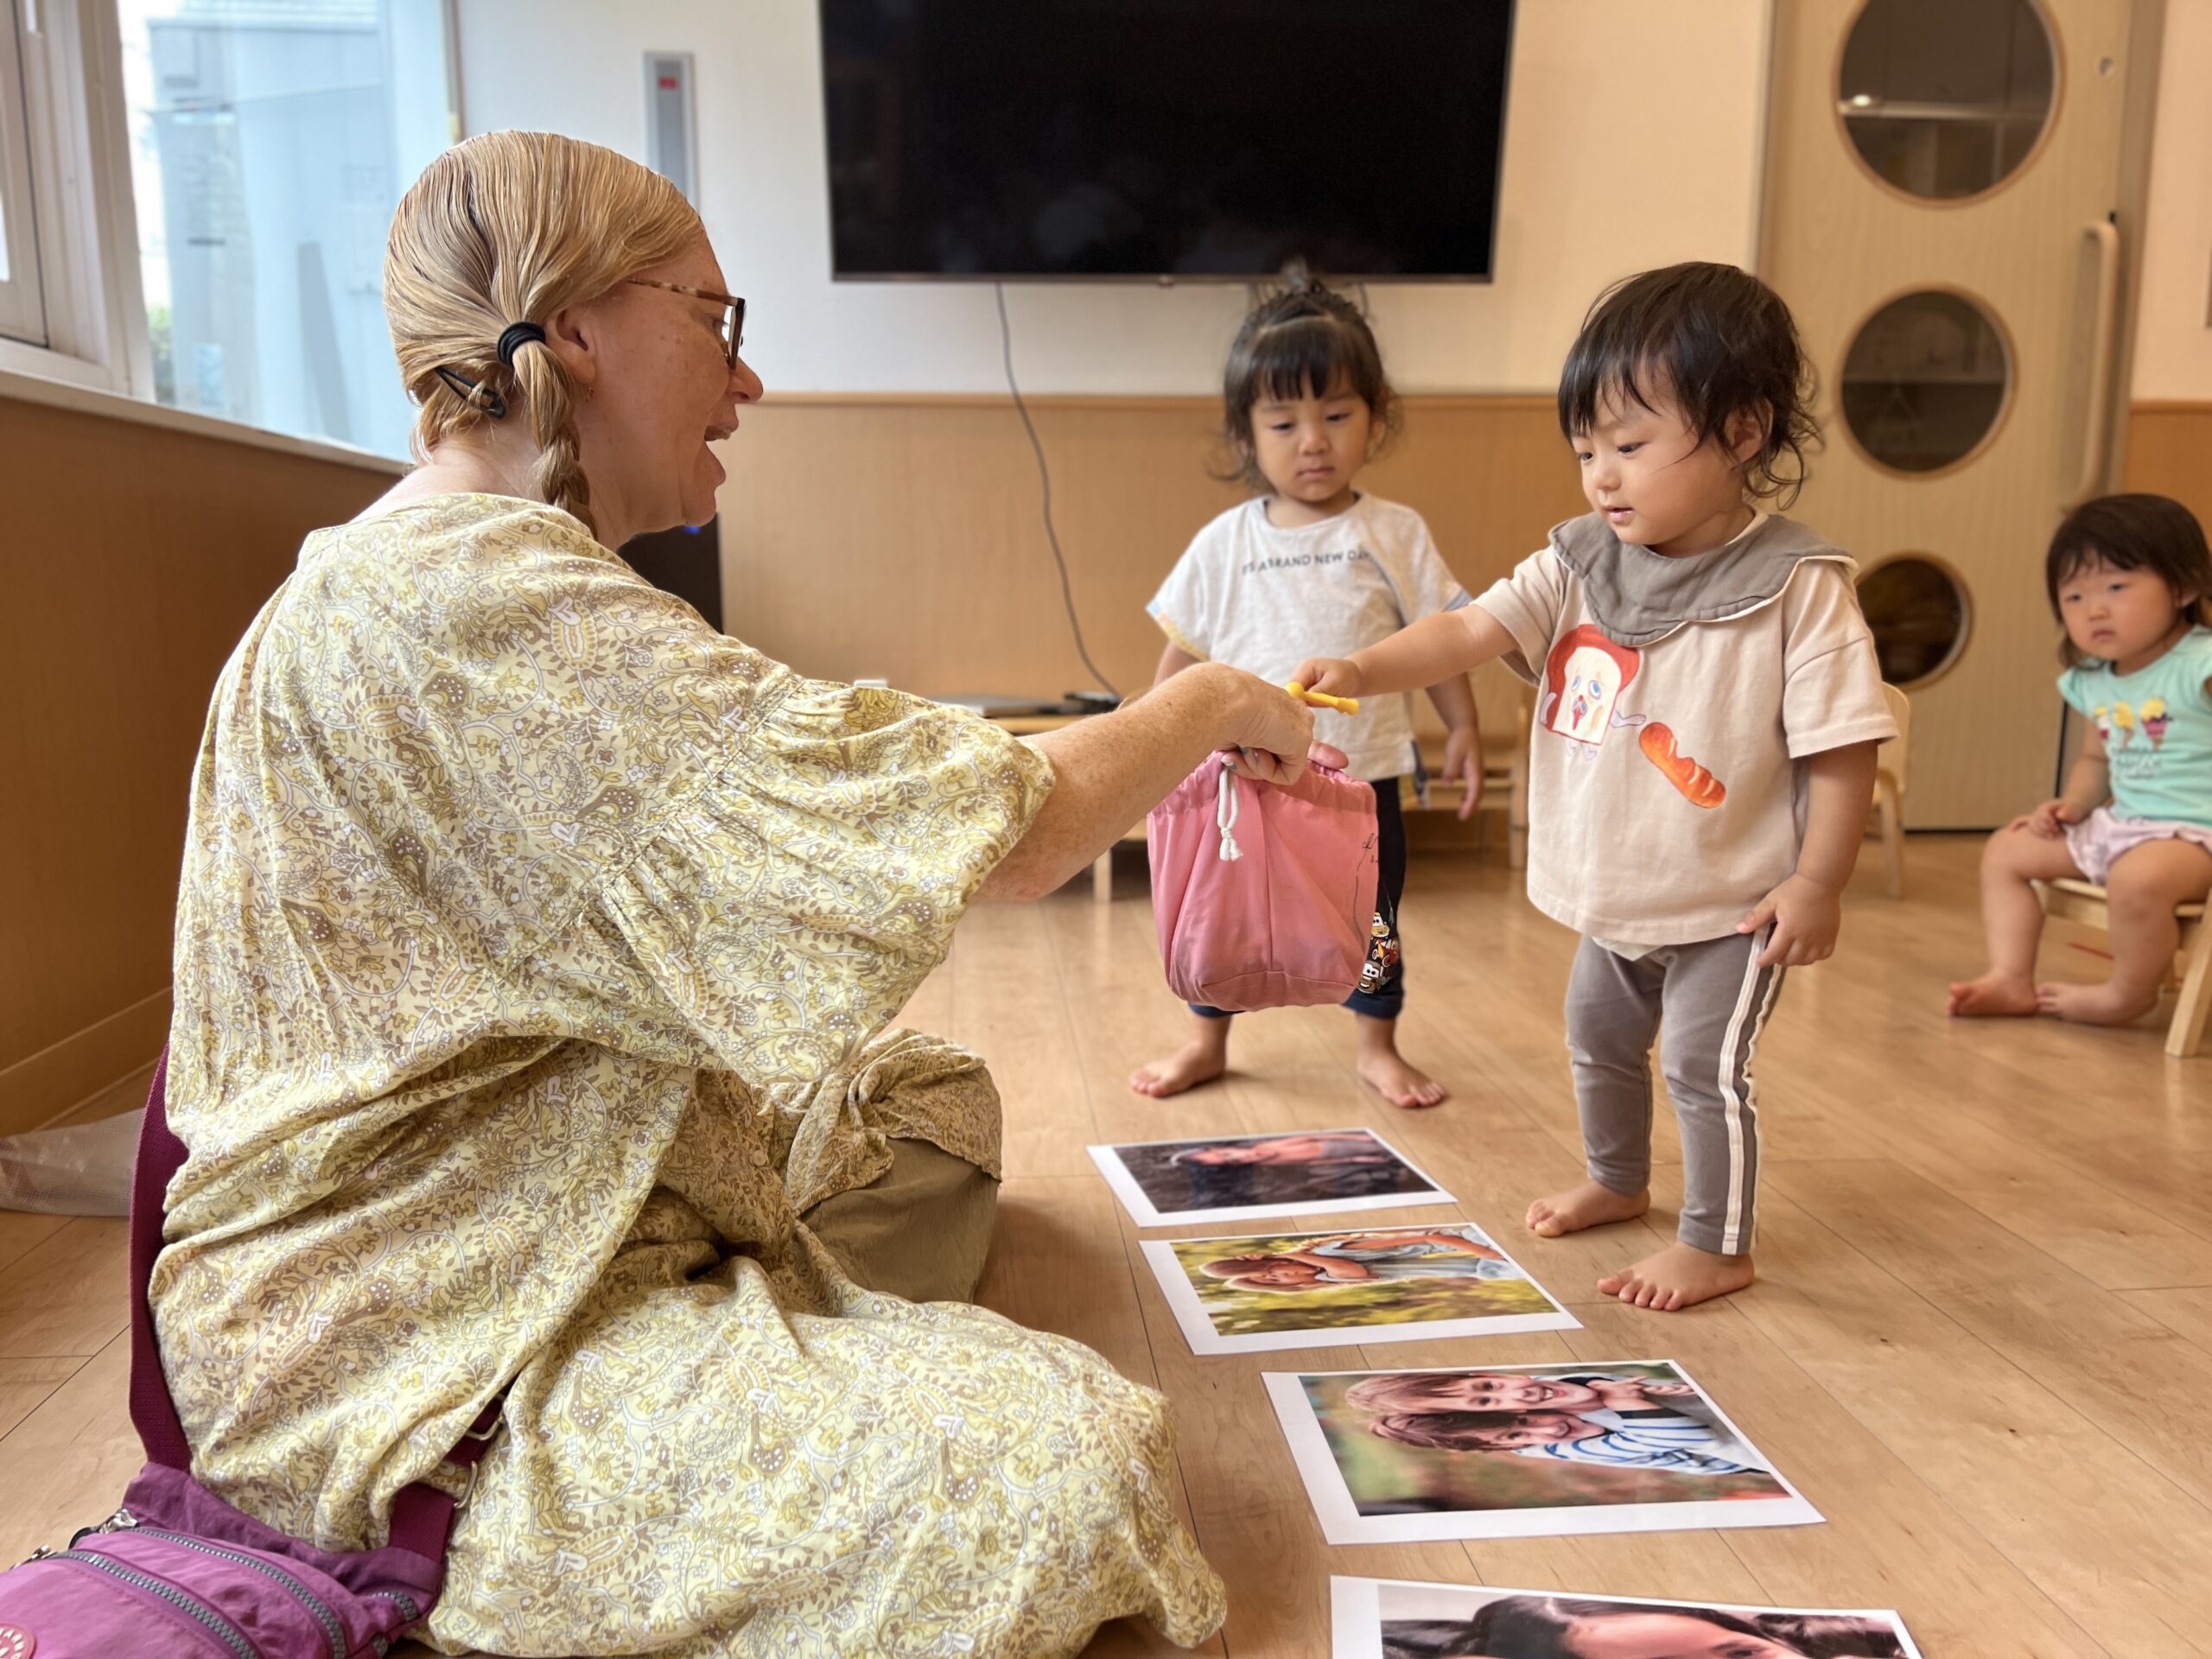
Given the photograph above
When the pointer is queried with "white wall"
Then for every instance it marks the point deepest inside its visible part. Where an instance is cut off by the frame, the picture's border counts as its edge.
(2173, 341)
(1632, 140)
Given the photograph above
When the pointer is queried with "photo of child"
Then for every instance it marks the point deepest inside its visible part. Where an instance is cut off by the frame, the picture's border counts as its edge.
(1523, 1450)
(1310, 1290)
(1229, 1178)
(1387, 1619)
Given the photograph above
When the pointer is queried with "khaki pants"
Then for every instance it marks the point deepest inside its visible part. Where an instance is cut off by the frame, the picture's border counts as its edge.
(919, 1231)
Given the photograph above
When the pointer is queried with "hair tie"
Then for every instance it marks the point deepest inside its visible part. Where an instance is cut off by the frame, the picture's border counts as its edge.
(475, 395)
(515, 337)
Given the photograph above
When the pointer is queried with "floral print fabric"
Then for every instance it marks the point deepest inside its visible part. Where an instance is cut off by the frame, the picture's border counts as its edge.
(535, 947)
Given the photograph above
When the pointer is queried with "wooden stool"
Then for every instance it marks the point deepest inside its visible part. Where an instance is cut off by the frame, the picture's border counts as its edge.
(2085, 902)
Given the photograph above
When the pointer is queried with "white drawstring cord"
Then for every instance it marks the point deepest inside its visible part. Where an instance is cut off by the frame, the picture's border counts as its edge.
(1224, 816)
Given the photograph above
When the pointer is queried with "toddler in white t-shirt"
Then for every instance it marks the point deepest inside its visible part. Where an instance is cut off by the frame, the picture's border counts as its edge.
(1311, 567)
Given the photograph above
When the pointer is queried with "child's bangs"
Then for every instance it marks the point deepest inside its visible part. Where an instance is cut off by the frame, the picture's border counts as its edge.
(1309, 357)
(2072, 556)
(1638, 378)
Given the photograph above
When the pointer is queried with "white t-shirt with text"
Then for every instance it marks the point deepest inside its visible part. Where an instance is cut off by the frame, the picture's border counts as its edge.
(1261, 598)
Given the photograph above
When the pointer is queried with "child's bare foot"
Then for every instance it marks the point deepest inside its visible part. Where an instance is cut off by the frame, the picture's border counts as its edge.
(1992, 993)
(2093, 1005)
(1197, 1061)
(1586, 1206)
(1390, 1075)
(1681, 1275)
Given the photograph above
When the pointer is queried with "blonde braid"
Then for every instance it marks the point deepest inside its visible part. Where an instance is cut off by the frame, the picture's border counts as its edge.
(510, 228)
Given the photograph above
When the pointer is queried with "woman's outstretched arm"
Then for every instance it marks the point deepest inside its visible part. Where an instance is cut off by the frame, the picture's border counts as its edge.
(1110, 770)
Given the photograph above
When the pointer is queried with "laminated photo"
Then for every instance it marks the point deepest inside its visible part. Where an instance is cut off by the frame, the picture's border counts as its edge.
(1522, 1451)
(1239, 1177)
(1391, 1618)
(1255, 1292)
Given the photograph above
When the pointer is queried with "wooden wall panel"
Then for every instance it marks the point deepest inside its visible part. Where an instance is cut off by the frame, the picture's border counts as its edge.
(901, 539)
(2169, 452)
(135, 557)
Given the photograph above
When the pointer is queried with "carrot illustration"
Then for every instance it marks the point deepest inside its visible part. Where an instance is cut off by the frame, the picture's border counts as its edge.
(1699, 786)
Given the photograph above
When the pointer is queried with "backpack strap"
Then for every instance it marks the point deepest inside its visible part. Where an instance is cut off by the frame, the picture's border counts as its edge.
(422, 1515)
(161, 1154)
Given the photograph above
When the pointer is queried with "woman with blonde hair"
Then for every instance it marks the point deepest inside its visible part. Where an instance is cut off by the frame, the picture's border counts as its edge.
(535, 951)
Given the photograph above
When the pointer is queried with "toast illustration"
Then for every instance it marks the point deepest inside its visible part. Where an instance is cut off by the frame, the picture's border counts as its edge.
(1699, 786)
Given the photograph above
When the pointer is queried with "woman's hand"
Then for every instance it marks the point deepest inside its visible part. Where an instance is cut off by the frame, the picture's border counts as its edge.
(2050, 820)
(1337, 676)
(1273, 734)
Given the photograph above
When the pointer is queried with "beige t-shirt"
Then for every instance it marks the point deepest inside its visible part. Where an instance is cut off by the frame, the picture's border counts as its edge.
(1666, 782)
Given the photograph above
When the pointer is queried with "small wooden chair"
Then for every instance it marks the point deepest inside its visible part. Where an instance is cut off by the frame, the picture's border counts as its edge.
(1890, 768)
(2085, 902)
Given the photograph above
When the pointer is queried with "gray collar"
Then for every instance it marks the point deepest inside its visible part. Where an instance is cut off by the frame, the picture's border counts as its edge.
(1637, 596)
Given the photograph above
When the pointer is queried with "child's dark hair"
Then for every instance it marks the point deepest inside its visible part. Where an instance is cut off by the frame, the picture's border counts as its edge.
(1718, 341)
(1541, 1627)
(2130, 532)
(1303, 340)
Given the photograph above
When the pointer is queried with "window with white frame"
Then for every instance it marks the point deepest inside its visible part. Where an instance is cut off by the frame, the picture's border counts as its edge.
(23, 299)
(271, 140)
(204, 188)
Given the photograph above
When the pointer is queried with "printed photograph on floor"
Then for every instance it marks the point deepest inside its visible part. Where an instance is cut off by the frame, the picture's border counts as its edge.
(1259, 1291)
(1391, 1618)
(1523, 1450)
(1230, 1177)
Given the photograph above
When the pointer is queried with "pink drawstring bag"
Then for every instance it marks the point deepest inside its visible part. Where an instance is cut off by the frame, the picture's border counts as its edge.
(1263, 894)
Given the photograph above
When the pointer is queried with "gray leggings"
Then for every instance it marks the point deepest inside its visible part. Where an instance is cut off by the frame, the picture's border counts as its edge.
(1713, 999)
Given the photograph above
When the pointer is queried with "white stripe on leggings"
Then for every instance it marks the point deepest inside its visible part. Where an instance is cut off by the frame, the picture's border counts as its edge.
(1743, 1205)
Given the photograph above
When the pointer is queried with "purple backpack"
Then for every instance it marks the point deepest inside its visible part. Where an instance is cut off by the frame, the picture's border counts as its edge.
(178, 1573)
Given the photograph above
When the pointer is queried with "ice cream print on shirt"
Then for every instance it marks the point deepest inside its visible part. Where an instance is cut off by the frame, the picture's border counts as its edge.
(1584, 677)
(2154, 720)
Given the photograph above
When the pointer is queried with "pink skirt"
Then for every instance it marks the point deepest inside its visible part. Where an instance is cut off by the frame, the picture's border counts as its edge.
(2099, 840)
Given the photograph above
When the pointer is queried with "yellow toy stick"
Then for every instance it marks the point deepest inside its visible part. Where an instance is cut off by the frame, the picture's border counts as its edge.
(1323, 700)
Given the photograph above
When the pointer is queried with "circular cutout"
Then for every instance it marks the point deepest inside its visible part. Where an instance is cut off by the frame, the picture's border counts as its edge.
(1946, 102)
(1925, 381)
(1917, 607)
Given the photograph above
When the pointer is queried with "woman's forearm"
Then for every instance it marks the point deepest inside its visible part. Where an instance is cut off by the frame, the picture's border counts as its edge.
(1110, 770)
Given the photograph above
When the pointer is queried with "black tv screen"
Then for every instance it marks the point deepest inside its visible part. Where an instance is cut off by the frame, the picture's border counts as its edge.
(1164, 139)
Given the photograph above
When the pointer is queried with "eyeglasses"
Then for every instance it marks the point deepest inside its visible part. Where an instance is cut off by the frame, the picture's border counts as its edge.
(732, 323)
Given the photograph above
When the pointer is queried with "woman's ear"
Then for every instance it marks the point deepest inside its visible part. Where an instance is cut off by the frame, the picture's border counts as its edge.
(572, 335)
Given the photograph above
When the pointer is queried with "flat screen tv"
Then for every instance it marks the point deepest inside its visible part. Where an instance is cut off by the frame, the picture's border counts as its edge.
(1177, 139)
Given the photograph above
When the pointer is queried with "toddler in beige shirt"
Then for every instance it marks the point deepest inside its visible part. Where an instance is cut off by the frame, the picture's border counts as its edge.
(1702, 757)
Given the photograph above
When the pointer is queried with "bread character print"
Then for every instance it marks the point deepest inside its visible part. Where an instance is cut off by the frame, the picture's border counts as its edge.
(1583, 678)
(2123, 720)
(2101, 717)
(2154, 720)
(1699, 786)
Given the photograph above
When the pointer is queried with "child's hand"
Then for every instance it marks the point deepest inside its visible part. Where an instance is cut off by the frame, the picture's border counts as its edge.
(1462, 765)
(1339, 677)
(2050, 820)
(1807, 916)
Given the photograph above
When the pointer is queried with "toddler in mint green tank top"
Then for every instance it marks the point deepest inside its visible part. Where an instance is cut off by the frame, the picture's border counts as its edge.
(2129, 577)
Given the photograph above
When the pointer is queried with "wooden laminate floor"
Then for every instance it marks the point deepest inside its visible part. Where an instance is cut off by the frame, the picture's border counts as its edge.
(1981, 1343)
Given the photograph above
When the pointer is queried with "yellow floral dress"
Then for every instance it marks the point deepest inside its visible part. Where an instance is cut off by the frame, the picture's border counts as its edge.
(534, 951)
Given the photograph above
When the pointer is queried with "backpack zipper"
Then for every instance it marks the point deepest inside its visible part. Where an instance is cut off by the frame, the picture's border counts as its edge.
(407, 1605)
(213, 1621)
(331, 1629)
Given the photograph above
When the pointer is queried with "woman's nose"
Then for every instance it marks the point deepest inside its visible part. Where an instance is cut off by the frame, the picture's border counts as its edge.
(745, 383)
